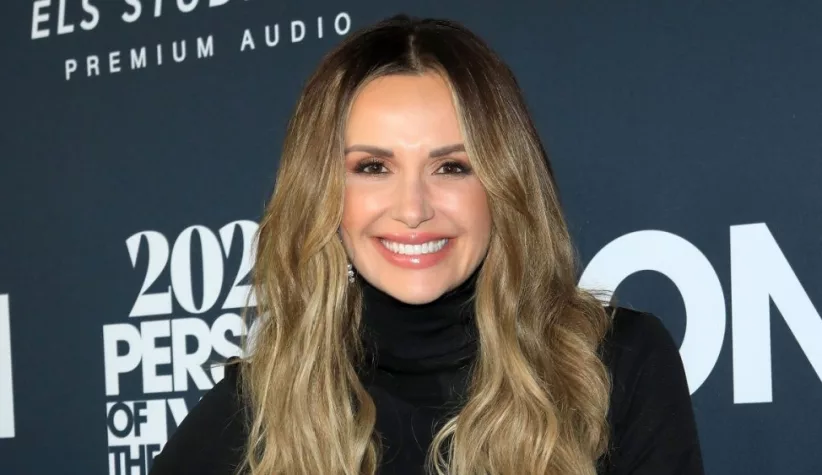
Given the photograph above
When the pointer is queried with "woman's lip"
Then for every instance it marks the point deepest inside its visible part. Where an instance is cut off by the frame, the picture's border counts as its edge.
(420, 261)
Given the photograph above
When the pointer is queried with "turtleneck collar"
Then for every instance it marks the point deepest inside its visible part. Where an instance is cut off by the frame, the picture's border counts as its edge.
(409, 338)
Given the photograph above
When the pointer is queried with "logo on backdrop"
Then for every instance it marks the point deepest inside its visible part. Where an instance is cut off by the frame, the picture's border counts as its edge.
(52, 18)
(6, 386)
(760, 276)
(186, 315)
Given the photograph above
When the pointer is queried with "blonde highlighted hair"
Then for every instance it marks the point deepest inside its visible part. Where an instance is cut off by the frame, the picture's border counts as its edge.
(539, 391)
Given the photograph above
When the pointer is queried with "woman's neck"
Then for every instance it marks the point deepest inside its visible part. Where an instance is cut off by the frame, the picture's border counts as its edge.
(411, 338)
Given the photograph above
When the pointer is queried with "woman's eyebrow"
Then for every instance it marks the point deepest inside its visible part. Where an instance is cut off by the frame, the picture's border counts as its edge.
(384, 152)
(371, 149)
(446, 150)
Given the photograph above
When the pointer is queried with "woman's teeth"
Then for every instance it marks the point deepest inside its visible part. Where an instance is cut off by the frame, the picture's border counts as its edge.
(414, 249)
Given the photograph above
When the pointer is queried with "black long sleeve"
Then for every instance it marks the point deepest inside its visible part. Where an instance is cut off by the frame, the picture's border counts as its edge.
(651, 416)
(211, 438)
(652, 420)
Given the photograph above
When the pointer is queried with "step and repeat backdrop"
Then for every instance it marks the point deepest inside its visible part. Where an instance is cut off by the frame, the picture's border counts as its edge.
(140, 139)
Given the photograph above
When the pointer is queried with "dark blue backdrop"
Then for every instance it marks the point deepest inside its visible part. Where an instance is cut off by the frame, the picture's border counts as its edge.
(686, 137)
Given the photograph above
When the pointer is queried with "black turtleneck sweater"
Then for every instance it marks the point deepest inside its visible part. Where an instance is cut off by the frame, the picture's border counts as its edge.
(418, 361)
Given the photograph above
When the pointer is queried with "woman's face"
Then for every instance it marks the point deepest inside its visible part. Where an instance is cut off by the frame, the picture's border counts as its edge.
(416, 221)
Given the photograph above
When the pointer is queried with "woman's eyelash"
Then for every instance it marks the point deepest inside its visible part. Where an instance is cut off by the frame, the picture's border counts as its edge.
(366, 164)
(363, 167)
(464, 168)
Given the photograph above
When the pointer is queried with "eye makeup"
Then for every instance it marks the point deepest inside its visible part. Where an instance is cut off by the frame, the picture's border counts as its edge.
(367, 166)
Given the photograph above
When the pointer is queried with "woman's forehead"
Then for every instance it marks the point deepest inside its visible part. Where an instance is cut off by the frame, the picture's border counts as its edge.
(412, 109)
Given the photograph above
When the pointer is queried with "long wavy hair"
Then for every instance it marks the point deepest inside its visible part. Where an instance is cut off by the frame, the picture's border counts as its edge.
(538, 393)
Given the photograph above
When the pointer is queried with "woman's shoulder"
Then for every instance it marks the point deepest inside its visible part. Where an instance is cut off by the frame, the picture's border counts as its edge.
(636, 335)
(651, 413)
(639, 350)
(211, 438)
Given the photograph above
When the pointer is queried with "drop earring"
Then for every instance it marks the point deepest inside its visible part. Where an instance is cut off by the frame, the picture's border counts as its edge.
(350, 273)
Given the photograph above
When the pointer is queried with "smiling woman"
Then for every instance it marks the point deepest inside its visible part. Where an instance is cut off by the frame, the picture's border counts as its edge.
(416, 286)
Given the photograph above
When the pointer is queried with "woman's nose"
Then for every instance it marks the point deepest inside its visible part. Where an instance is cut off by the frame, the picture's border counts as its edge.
(411, 201)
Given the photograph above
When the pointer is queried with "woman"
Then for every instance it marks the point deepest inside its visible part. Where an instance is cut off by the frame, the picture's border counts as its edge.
(417, 291)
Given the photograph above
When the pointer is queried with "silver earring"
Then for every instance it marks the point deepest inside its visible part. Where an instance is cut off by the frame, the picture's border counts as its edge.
(350, 273)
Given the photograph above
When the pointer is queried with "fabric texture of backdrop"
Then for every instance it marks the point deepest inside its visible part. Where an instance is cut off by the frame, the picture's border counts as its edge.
(140, 140)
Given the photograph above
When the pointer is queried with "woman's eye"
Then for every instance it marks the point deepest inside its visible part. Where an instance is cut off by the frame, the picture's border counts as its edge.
(455, 168)
(377, 167)
(370, 167)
